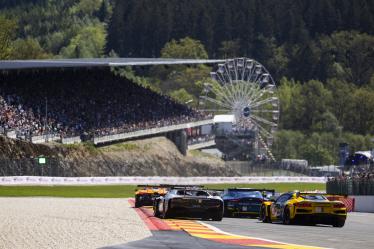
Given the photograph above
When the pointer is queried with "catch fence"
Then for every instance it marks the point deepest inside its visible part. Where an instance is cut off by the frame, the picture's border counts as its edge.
(351, 186)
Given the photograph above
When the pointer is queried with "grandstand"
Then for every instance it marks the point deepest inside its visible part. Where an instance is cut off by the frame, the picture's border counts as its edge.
(74, 100)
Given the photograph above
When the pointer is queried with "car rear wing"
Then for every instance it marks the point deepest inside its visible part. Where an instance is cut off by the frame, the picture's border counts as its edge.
(262, 190)
(313, 193)
(155, 186)
(192, 187)
(215, 191)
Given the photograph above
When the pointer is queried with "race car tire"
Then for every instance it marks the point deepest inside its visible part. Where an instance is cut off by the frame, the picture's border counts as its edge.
(338, 223)
(227, 214)
(287, 217)
(217, 217)
(137, 202)
(166, 214)
(156, 211)
(263, 217)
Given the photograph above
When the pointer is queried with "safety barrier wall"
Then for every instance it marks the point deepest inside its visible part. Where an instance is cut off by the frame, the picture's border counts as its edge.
(11, 134)
(45, 138)
(37, 180)
(364, 203)
(71, 140)
(128, 135)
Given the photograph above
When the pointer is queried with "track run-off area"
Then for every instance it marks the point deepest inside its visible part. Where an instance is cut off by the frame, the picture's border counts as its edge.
(251, 233)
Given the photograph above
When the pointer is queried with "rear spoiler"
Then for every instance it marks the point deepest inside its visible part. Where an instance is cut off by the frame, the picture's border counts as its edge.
(217, 191)
(155, 186)
(200, 187)
(254, 189)
(313, 193)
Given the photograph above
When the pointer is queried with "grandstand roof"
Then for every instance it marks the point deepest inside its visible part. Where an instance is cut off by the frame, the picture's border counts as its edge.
(97, 62)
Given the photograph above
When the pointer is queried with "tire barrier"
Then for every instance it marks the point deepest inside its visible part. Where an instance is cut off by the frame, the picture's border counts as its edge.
(134, 180)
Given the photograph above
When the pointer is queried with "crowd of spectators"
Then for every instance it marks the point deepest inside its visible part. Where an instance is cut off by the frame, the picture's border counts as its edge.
(359, 183)
(73, 102)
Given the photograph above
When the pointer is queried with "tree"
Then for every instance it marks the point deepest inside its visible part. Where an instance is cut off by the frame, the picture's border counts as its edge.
(327, 122)
(348, 56)
(317, 156)
(89, 42)
(230, 49)
(182, 96)
(291, 104)
(28, 49)
(316, 100)
(105, 11)
(186, 48)
(7, 34)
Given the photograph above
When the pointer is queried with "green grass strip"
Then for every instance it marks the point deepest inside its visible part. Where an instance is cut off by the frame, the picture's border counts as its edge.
(125, 191)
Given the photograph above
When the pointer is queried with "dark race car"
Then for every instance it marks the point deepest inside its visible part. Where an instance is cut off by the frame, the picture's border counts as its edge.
(244, 201)
(189, 202)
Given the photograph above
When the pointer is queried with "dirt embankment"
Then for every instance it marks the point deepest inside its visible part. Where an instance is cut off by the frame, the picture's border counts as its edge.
(149, 157)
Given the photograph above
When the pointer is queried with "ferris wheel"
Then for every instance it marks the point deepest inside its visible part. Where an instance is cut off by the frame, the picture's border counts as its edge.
(243, 87)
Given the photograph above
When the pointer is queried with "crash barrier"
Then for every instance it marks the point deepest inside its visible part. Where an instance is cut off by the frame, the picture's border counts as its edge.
(363, 203)
(71, 140)
(351, 186)
(11, 134)
(134, 180)
(349, 202)
(152, 131)
(45, 138)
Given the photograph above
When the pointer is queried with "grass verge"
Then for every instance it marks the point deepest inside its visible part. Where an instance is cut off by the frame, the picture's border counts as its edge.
(124, 191)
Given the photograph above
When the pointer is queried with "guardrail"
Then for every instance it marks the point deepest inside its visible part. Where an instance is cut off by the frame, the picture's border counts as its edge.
(350, 186)
(134, 180)
(71, 140)
(45, 138)
(153, 131)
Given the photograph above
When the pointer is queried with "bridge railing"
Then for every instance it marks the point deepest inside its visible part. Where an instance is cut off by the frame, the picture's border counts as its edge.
(152, 131)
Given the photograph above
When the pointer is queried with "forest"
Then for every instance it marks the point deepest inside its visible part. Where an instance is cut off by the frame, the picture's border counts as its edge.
(320, 52)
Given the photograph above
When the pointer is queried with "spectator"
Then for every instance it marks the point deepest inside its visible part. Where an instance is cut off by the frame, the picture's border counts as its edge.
(72, 102)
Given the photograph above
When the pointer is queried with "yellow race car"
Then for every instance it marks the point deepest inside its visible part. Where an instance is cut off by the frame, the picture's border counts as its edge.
(145, 194)
(312, 208)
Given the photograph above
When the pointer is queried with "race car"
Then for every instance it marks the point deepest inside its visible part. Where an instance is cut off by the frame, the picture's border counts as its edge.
(189, 202)
(244, 201)
(312, 208)
(145, 194)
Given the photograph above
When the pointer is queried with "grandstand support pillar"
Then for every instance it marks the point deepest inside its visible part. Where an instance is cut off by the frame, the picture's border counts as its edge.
(179, 138)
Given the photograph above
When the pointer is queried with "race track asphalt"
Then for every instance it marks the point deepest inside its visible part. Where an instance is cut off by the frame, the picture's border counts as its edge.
(175, 240)
(357, 233)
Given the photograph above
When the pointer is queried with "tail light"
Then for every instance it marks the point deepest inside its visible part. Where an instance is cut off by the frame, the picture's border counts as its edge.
(303, 204)
(339, 205)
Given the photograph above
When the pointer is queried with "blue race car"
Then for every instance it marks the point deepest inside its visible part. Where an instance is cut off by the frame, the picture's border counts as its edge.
(244, 201)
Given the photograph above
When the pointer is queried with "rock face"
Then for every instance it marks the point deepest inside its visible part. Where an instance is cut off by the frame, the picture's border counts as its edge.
(149, 157)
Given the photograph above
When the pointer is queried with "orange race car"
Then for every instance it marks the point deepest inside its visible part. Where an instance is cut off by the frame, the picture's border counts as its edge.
(145, 194)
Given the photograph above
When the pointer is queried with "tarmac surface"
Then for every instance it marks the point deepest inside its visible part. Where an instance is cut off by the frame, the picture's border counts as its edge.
(357, 233)
(175, 240)
(241, 233)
